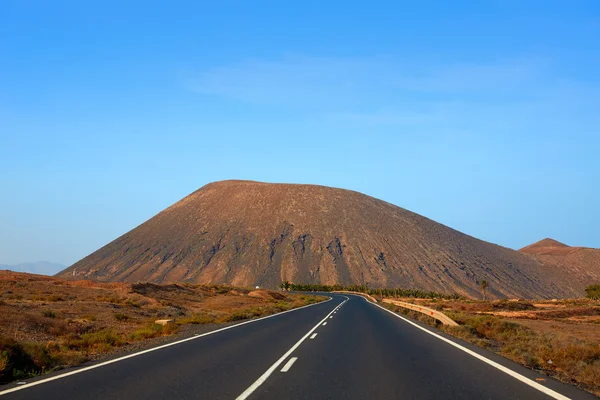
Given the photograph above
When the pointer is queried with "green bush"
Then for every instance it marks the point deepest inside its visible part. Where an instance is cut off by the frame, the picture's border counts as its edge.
(593, 292)
(100, 340)
(121, 317)
(200, 318)
(19, 361)
(153, 330)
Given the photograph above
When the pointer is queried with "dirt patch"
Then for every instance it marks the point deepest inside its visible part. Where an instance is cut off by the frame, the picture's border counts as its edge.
(267, 294)
(581, 330)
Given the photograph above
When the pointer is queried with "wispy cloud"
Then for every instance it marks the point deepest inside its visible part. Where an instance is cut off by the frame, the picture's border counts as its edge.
(301, 78)
(506, 94)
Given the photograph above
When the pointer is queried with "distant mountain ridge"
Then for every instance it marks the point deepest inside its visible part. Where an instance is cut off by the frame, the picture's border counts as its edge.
(40, 267)
(250, 233)
(575, 267)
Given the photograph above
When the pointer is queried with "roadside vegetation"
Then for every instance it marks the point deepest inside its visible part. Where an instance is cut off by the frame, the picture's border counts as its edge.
(593, 292)
(557, 338)
(48, 324)
(382, 292)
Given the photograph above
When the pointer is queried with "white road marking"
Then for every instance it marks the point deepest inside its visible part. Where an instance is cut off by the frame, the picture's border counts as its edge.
(77, 371)
(289, 364)
(508, 371)
(331, 317)
(324, 323)
(273, 367)
(314, 335)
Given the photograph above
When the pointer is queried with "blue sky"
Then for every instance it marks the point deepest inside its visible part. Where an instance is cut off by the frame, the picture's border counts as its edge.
(484, 116)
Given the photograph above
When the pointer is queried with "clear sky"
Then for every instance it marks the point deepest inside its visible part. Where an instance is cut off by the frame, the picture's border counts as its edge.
(482, 115)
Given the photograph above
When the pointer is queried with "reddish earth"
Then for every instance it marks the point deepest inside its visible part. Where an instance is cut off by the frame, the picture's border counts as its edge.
(248, 233)
(573, 267)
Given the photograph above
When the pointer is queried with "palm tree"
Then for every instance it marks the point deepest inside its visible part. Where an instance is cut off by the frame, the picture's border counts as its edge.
(285, 285)
(484, 285)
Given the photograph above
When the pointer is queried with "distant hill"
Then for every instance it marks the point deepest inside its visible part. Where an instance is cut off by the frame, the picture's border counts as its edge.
(575, 267)
(40, 267)
(547, 246)
(250, 233)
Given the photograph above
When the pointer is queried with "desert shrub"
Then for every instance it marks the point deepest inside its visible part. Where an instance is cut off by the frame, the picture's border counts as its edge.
(21, 361)
(200, 318)
(133, 302)
(248, 313)
(513, 305)
(593, 292)
(109, 299)
(153, 330)
(220, 289)
(121, 317)
(101, 340)
(48, 313)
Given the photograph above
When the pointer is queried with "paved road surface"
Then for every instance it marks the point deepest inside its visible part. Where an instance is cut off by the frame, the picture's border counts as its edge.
(345, 348)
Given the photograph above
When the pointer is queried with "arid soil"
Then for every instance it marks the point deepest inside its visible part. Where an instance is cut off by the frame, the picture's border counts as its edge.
(248, 233)
(48, 323)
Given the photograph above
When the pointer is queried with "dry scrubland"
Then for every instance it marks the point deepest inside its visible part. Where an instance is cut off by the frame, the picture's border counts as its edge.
(559, 338)
(47, 323)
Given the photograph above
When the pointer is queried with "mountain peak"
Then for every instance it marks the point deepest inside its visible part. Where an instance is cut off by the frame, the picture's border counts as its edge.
(249, 233)
(544, 246)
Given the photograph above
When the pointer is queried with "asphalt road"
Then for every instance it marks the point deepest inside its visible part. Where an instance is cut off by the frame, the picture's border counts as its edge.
(345, 348)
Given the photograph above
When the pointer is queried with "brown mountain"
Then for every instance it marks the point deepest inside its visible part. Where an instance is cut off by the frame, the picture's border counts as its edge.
(547, 246)
(574, 267)
(249, 233)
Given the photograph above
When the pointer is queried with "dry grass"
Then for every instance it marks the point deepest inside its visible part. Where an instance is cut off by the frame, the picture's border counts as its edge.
(556, 338)
(49, 323)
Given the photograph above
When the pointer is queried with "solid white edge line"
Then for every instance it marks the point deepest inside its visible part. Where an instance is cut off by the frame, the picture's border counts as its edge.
(314, 335)
(289, 364)
(494, 364)
(139, 353)
(273, 367)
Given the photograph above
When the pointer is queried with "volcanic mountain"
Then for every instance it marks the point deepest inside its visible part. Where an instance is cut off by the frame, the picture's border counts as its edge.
(249, 233)
(574, 267)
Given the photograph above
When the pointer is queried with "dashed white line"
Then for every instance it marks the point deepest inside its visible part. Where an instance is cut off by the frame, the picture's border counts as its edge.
(314, 335)
(289, 364)
(324, 323)
(273, 367)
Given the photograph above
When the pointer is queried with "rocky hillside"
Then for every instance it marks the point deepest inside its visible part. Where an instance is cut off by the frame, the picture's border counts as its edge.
(574, 267)
(249, 233)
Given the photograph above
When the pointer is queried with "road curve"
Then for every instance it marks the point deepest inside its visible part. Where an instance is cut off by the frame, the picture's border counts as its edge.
(346, 348)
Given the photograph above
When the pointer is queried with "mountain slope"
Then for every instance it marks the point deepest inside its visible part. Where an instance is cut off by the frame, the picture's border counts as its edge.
(250, 233)
(574, 267)
(547, 246)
